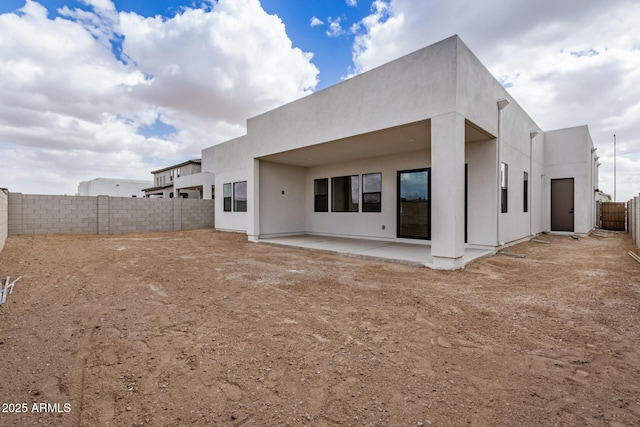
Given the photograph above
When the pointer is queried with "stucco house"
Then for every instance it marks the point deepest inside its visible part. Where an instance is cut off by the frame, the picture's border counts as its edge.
(112, 187)
(428, 149)
(185, 179)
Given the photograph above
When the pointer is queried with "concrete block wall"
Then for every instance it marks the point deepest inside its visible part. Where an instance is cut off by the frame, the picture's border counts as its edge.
(633, 219)
(130, 215)
(4, 216)
(195, 214)
(40, 214)
(44, 214)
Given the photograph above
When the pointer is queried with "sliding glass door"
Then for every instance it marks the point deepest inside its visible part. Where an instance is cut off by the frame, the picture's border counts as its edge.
(414, 205)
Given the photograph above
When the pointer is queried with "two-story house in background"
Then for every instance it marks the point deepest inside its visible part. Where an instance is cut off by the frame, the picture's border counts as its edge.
(185, 180)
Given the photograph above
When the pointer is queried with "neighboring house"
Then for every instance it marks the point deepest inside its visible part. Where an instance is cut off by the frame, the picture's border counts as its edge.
(603, 197)
(429, 148)
(112, 187)
(182, 180)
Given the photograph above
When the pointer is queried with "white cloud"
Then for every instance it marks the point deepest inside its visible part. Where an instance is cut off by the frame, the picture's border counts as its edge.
(335, 28)
(352, 3)
(544, 52)
(73, 111)
(100, 4)
(315, 22)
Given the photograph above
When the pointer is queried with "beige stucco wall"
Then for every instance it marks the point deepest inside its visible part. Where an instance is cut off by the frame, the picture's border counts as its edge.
(568, 154)
(231, 162)
(410, 89)
(282, 199)
(363, 224)
(443, 85)
(113, 187)
(481, 194)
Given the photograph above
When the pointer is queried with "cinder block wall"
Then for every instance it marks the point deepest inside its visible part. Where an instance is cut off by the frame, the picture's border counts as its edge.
(38, 214)
(4, 216)
(633, 219)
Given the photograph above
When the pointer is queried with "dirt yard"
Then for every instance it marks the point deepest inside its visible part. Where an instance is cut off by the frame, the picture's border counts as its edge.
(203, 328)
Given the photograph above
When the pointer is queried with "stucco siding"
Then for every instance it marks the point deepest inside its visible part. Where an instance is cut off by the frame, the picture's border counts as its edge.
(282, 199)
(568, 154)
(232, 221)
(373, 122)
(362, 224)
(515, 222)
(414, 87)
(481, 193)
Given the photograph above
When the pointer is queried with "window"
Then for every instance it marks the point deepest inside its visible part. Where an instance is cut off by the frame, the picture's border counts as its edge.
(345, 193)
(321, 195)
(372, 192)
(240, 196)
(504, 184)
(226, 190)
(174, 173)
(525, 191)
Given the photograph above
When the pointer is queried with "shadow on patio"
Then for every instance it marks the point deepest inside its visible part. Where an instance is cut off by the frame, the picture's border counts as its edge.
(401, 252)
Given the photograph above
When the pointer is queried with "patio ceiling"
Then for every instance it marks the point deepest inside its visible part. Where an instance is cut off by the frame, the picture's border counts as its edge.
(397, 140)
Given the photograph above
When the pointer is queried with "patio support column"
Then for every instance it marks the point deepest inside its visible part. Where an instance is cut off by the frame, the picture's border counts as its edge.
(253, 202)
(447, 191)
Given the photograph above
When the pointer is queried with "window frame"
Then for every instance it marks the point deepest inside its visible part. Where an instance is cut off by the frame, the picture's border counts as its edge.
(375, 206)
(237, 206)
(504, 187)
(321, 199)
(227, 199)
(525, 191)
(349, 190)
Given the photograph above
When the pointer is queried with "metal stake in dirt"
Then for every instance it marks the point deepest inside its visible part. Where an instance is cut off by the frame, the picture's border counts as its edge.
(7, 287)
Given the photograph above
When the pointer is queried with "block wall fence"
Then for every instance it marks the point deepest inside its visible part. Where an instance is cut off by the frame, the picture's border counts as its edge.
(4, 216)
(633, 219)
(42, 214)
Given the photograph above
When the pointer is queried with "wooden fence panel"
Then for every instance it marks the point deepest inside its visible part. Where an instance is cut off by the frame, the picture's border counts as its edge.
(614, 216)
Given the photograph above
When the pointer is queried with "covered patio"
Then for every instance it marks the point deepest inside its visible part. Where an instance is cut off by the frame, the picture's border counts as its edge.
(418, 254)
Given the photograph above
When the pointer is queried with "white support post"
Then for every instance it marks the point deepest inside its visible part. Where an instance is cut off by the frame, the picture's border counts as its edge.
(447, 191)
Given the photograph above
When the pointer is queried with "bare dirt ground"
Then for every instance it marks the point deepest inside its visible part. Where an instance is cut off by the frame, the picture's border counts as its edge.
(203, 328)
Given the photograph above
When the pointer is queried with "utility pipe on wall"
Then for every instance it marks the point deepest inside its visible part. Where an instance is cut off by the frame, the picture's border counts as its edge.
(502, 104)
(532, 135)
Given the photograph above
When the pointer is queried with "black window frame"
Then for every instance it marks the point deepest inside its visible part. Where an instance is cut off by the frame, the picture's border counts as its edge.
(227, 199)
(375, 206)
(504, 187)
(343, 185)
(525, 191)
(321, 195)
(239, 205)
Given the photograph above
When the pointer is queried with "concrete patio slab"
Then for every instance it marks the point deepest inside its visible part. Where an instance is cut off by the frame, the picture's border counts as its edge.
(405, 253)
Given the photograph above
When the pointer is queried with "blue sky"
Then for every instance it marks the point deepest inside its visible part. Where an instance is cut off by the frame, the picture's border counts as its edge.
(332, 54)
(118, 88)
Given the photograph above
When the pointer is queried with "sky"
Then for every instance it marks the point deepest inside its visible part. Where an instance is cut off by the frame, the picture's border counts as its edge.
(118, 88)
